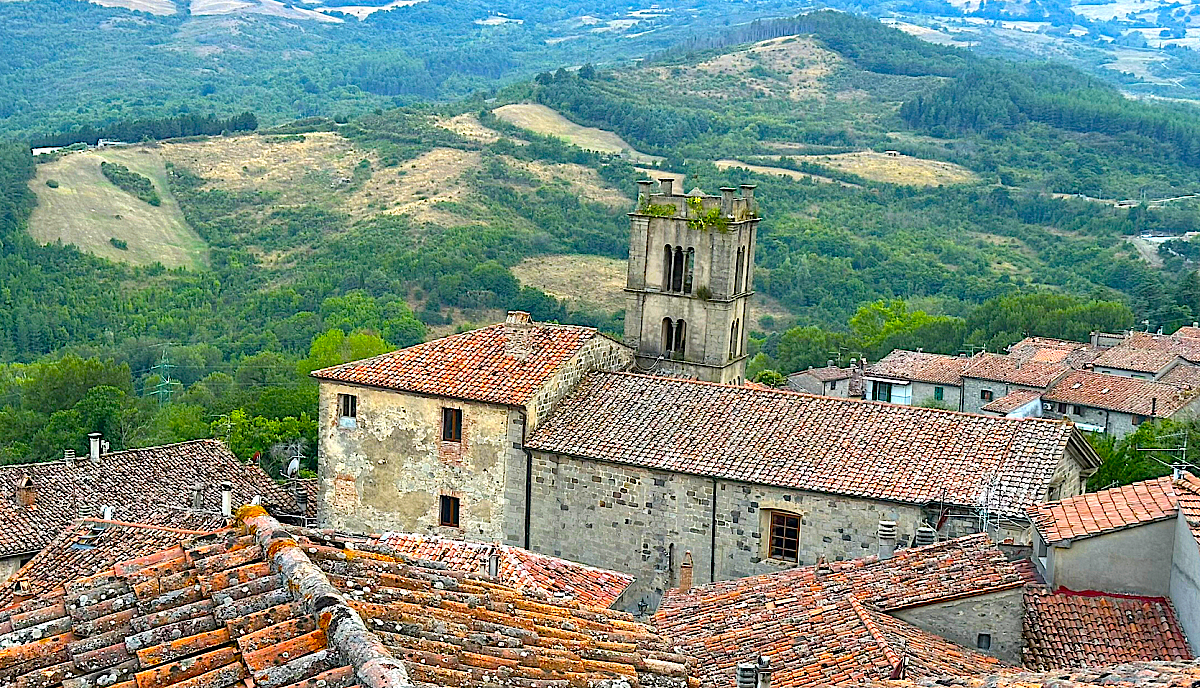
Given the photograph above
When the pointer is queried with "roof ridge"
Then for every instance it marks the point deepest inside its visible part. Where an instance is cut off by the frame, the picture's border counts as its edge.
(143, 526)
(374, 665)
(893, 659)
(83, 458)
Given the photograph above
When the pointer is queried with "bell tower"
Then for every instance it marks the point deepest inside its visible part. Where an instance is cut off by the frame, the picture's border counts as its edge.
(691, 270)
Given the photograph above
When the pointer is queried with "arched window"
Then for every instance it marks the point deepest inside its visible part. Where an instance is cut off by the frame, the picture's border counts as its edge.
(733, 339)
(689, 268)
(668, 336)
(668, 257)
(737, 274)
(677, 270)
(680, 337)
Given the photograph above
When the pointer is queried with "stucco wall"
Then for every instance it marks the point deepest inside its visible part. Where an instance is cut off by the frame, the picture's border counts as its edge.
(10, 565)
(999, 614)
(641, 522)
(972, 387)
(388, 472)
(923, 393)
(1131, 561)
(1185, 582)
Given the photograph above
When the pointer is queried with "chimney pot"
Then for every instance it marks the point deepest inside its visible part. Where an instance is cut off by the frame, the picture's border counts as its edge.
(197, 496)
(764, 671)
(829, 363)
(685, 572)
(887, 539)
(493, 562)
(666, 186)
(748, 195)
(226, 499)
(518, 335)
(747, 675)
(926, 535)
(727, 200)
(94, 447)
(69, 455)
(644, 191)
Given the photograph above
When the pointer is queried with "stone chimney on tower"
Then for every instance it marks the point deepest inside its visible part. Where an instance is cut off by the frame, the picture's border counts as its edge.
(518, 335)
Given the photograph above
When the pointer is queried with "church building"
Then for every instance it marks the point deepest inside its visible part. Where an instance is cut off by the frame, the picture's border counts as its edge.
(561, 440)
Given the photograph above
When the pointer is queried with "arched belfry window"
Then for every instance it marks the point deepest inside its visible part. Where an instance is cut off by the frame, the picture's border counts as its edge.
(732, 339)
(739, 270)
(677, 270)
(680, 337)
(689, 269)
(668, 259)
(668, 336)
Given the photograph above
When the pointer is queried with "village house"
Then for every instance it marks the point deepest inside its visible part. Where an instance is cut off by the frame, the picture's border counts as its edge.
(184, 485)
(830, 381)
(1115, 404)
(265, 605)
(916, 378)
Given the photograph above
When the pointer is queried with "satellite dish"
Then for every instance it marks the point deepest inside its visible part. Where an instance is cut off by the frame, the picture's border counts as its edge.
(293, 468)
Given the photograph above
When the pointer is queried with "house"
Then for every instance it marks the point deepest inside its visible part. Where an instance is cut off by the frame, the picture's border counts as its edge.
(91, 545)
(992, 376)
(917, 378)
(752, 481)
(1019, 403)
(515, 567)
(169, 485)
(1145, 364)
(855, 622)
(273, 607)
(830, 381)
(1115, 404)
(431, 438)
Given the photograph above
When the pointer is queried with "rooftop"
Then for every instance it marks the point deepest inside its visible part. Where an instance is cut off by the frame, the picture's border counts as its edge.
(291, 608)
(480, 365)
(826, 373)
(1066, 630)
(1130, 675)
(151, 485)
(1121, 394)
(920, 366)
(91, 545)
(1093, 513)
(1137, 360)
(1012, 401)
(1182, 375)
(801, 441)
(518, 568)
(1187, 490)
(1015, 370)
(1186, 346)
(1051, 350)
(829, 628)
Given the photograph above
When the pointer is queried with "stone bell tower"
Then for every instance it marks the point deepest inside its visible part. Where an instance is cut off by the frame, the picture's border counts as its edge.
(691, 270)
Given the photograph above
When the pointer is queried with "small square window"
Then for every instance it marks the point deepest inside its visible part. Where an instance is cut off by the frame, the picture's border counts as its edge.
(1062, 408)
(984, 641)
(1077, 410)
(452, 425)
(833, 384)
(939, 393)
(985, 394)
(347, 410)
(449, 511)
(785, 537)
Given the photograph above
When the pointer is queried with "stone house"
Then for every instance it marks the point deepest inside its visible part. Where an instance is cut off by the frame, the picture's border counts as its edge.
(829, 381)
(752, 481)
(1145, 364)
(916, 378)
(185, 485)
(1116, 404)
(431, 438)
(992, 376)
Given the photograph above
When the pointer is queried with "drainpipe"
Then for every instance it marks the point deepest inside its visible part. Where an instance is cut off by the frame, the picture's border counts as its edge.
(528, 476)
(712, 552)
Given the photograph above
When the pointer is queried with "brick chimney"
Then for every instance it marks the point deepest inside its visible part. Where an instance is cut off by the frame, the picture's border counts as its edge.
(518, 335)
(26, 491)
(685, 572)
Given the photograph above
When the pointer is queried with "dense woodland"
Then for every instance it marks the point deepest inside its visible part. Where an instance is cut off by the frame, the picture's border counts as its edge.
(152, 355)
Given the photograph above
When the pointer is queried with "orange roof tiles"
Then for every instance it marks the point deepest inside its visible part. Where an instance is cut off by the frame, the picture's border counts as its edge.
(806, 442)
(829, 628)
(1185, 346)
(1187, 490)
(1067, 630)
(291, 608)
(150, 485)
(1184, 375)
(1099, 512)
(1015, 370)
(518, 568)
(1129, 675)
(477, 365)
(1138, 360)
(1121, 394)
(1012, 401)
(920, 366)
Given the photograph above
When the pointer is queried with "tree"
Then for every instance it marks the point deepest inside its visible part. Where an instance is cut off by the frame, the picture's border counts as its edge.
(1125, 463)
(335, 347)
(801, 347)
(60, 385)
(771, 378)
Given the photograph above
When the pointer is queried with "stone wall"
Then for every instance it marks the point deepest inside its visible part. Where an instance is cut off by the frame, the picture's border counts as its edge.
(972, 387)
(641, 522)
(1185, 582)
(601, 353)
(389, 470)
(998, 614)
(10, 565)
(924, 393)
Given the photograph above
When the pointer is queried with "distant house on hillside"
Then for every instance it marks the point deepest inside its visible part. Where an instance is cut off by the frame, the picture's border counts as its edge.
(916, 378)
(829, 381)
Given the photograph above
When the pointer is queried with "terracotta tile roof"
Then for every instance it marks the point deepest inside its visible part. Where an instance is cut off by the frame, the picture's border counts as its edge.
(1012, 401)
(824, 444)
(1184, 375)
(1137, 360)
(920, 366)
(288, 608)
(1188, 332)
(1130, 675)
(829, 628)
(1066, 630)
(1014, 370)
(1050, 350)
(149, 485)
(477, 365)
(1121, 394)
(1187, 347)
(91, 545)
(1100, 512)
(519, 568)
(1187, 491)
(827, 373)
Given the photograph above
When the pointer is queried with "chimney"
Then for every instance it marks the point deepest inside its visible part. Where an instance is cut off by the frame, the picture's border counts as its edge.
(518, 335)
(666, 186)
(644, 190)
(685, 572)
(747, 675)
(69, 457)
(829, 363)
(197, 491)
(727, 200)
(94, 447)
(301, 495)
(926, 535)
(887, 539)
(748, 194)
(106, 512)
(26, 491)
(823, 567)
(764, 671)
(226, 498)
